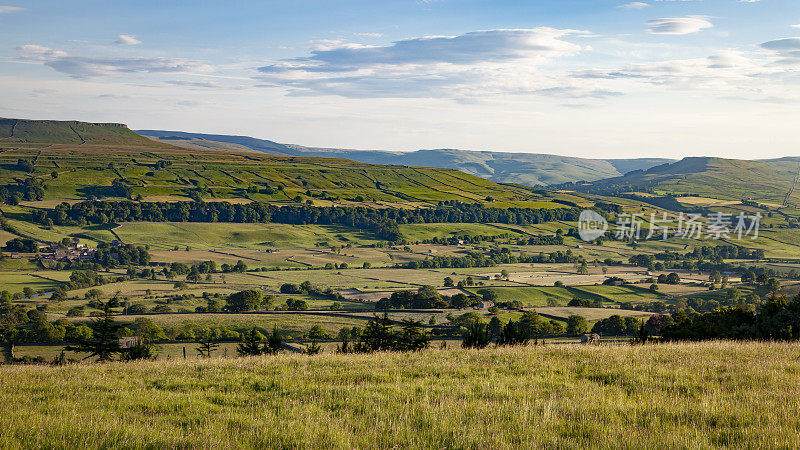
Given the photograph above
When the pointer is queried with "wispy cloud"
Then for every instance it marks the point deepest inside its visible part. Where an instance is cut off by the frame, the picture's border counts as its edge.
(634, 5)
(98, 66)
(38, 52)
(127, 39)
(4, 9)
(679, 25)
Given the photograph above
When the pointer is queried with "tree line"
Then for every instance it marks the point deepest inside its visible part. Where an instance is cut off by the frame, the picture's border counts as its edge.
(383, 222)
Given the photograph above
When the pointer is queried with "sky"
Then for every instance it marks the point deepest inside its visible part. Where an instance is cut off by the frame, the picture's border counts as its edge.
(586, 78)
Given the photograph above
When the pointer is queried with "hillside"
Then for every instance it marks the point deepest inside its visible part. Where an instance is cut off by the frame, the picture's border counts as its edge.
(531, 169)
(726, 179)
(79, 161)
(21, 131)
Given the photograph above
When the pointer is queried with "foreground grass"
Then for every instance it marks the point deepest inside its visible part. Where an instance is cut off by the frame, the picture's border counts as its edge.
(687, 395)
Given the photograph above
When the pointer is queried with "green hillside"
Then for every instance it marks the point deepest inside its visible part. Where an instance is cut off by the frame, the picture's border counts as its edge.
(532, 169)
(21, 131)
(725, 179)
(79, 161)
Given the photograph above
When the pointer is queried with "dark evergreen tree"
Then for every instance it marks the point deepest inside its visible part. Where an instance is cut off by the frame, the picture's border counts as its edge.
(104, 343)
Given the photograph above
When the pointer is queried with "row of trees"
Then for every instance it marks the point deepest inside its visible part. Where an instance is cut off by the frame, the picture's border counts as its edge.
(778, 318)
(530, 326)
(426, 297)
(383, 222)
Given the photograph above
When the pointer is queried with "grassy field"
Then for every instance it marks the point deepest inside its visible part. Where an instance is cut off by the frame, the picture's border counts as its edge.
(86, 170)
(711, 395)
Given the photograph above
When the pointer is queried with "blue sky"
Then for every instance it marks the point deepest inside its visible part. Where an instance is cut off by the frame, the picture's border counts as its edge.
(571, 77)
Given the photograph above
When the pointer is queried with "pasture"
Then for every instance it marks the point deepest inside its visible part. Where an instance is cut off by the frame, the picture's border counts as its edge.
(715, 394)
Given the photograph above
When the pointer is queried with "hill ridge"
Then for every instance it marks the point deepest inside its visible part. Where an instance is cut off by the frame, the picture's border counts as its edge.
(532, 169)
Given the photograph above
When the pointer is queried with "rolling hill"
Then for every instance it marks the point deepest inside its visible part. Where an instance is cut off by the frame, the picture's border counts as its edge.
(22, 131)
(720, 178)
(532, 169)
(79, 161)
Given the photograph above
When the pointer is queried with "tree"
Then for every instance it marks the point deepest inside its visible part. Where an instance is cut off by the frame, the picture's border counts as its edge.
(105, 339)
(193, 275)
(476, 335)
(147, 330)
(296, 305)
(59, 295)
(583, 269)
(313, 349)
(672, 278)
(504, 274)
(251, 344)
(488, 295)
(773, 285)
(246, 300)
(577, 324)
(344, 335)
(290, 288)
(139, 350)
(274, 342)
(495, 328)
(208, 342)
(412, 336)
(448, 282)
(317, 333)
(377, 335)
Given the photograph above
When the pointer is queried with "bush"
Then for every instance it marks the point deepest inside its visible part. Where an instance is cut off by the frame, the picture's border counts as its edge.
(290, 288)
(577, 324)
(317, 333)
(136, 308)
(76, 311)
(296, 305)
(247, 300)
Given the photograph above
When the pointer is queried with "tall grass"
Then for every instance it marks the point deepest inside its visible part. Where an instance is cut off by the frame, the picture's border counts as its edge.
(678, 395)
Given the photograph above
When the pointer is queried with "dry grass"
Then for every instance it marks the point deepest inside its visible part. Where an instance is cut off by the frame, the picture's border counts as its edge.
(705, 395)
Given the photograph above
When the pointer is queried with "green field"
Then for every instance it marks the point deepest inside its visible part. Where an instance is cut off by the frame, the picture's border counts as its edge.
(729, 395)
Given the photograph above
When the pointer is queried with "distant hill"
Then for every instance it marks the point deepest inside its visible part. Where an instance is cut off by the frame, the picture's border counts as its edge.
(731, 179)
(21, 131)
(80, 161)
(532, 169)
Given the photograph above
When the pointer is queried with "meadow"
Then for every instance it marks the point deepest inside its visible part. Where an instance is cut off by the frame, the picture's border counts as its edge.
(708, 395)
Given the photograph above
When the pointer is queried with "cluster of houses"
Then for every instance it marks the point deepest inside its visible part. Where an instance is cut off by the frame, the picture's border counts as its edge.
(74, 251)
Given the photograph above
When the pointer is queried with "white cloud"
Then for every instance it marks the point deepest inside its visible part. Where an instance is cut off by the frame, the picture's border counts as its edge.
(127, 39)
(795, 26)
(38, 53)
(633, 5)
(679, 25)
(97, 66)
(788, 48)
(10, 9)
(432, 66)
(369, 35)
(88, 67)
